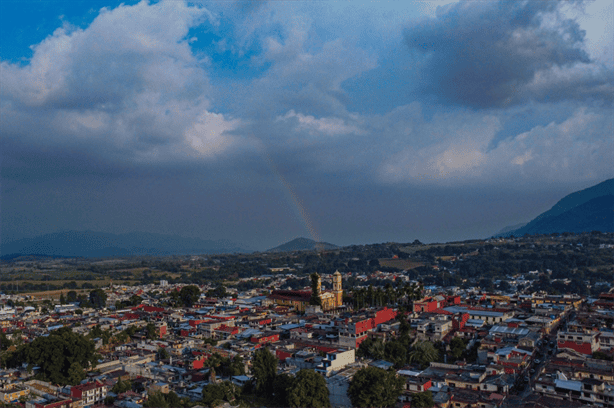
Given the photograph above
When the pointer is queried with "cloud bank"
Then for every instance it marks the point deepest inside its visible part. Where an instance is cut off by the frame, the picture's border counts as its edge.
(236, 104)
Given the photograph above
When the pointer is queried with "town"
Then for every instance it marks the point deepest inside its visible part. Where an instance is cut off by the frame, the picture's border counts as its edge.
(506, 322)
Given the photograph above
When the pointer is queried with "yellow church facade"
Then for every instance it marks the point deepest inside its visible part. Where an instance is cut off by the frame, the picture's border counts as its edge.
(331, 299)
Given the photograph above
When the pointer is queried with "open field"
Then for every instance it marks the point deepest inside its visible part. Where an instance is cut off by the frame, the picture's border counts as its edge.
(55, 294)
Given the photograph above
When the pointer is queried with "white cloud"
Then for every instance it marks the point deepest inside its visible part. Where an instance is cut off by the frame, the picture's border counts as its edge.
(129, 82)
(305, 76)
(207, 134)
(579, 148)
(330, 126)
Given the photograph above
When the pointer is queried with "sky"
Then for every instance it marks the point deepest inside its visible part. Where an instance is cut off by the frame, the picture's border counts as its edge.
(350, 122)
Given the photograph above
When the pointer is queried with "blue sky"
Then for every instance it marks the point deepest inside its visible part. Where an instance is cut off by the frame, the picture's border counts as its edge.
(350, 122)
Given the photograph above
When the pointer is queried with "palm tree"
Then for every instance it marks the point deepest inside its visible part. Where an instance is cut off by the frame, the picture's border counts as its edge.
(379, 296)
(371, 294)
(423, 352)
(359, 297)
(390, 294)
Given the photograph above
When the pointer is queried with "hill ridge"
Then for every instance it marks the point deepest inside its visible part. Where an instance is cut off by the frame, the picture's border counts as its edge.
(590, 209)
(302, 244)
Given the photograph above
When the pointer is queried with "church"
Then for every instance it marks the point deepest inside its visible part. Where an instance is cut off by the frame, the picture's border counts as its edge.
(299, 299)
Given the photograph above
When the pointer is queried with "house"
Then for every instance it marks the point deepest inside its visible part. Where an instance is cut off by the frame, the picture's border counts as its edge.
(162, 387)
(354, 330)
(585, 343)
(12, 393)
(336, 360)
(90, 393)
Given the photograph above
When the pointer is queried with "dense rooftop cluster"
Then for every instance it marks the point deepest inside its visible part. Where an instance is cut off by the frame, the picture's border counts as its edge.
(168, 343)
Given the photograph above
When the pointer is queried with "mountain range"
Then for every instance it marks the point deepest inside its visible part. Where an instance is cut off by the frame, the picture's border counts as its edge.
(591, 209)
(92, 244)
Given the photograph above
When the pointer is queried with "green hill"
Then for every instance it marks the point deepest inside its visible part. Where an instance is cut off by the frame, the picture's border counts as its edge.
(591, 209)
(302, 244)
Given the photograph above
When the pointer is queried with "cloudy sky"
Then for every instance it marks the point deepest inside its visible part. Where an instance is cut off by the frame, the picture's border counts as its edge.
(259, 122)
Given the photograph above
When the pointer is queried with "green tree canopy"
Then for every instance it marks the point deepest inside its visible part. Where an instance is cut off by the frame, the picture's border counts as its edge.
(315, 299)
(160, 400)
(151, 332)
(5, 342)
(62, 356)
(422, 399)
(71, 296)
(264, 368)
(219, 292)
(374, 387)
(213, 393)
(162, 353)
(371, 348)
(308, 389)
(396, 353)
(423, 353)
(281, 385)
(189, 295)
(121, 386)
(457, 347)
(156, 400)
(98, 298)
(135, 300)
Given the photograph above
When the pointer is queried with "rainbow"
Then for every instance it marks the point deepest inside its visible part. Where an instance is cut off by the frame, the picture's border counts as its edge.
(296, 202)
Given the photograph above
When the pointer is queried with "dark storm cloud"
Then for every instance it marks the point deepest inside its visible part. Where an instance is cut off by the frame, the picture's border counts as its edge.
(493, 54)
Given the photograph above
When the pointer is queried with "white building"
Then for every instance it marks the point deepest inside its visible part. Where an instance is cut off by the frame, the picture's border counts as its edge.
(335, 361)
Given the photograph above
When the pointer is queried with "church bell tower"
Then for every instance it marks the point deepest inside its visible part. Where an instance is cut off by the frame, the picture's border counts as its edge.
(337, 290)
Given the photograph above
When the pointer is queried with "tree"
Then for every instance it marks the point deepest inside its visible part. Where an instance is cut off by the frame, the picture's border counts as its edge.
(237, 366)
(189, 295)
(281, 386)
(315, 299)
(163, 354)
(62, 356)
(5, 342)
(457, 347)
(62, 299)
(157, 400)
(396, 353)
(600, 355)
(98, 298)
(151, 331)
(213, 393)
(422, 399)
(371, 348)
(173, 400)
(121, 386)
(135, 300)
(71, 296)
(375, 387)
(423, 353)
(308, 389)
(218, 292)
(264, 368)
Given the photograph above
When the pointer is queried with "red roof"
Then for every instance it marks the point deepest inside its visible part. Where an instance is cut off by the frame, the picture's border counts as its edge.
(298, 295)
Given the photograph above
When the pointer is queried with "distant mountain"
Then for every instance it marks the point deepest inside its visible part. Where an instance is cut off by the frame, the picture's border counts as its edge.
(591, 209)
(510, 228)
(302, 244)
(595, 215)
(92, 244)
